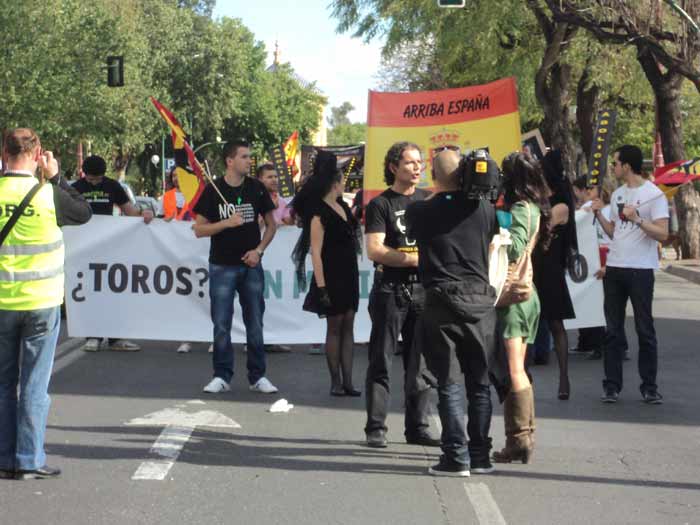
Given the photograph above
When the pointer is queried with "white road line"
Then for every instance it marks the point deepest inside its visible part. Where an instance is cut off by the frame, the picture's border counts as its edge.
(485, 506)
(168, 445)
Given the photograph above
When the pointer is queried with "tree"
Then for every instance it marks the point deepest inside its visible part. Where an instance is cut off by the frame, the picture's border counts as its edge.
(347, 134)
(339, 114)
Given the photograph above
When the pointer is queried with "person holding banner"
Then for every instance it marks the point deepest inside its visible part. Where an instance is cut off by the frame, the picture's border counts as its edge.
(331, 233)
(525, 195)
(267, 174)
(396, 299)
(549, 263)
(228, 212)
(639, 220)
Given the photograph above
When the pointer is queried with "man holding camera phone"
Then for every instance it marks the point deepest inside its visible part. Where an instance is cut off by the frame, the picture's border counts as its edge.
(31, 292)
(457, 329)
(396, 300)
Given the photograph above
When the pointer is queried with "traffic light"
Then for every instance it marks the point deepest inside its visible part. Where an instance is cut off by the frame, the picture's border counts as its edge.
(451, 3)
(115, 71)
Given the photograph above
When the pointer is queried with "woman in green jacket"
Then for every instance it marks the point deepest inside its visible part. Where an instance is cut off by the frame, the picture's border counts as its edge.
(525, 196)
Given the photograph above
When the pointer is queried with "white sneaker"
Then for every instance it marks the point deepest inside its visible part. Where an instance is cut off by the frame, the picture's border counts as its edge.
(216, 386)
(245, 349)
(263, 386)
(211, 348)
(184, 348)
(123, 345)
(91, 345)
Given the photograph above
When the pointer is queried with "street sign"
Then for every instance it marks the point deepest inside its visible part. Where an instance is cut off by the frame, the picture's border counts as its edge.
(451, 3)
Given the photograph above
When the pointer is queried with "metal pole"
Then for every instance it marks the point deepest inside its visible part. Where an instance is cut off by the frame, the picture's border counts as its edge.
(685, 15)
(162, 163)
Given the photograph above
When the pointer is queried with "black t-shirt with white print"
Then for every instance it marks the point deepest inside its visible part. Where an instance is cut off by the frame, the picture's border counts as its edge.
(103, 196)
(251, 200)
(386, 214)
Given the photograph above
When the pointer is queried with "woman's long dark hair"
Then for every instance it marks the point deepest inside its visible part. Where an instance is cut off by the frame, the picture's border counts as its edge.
(307, 203)
(562, 192)
(523, 181)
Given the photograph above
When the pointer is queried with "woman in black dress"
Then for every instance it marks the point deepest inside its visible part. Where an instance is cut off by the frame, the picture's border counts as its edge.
(332, 234)
(550, 263)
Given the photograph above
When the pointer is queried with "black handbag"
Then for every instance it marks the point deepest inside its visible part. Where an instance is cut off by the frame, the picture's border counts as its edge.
(18, 212)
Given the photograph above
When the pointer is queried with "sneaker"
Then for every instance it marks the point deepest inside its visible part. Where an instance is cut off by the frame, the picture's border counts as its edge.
(245, 349)
(263, 386)
(483, 466)
(44, 472)
(376, 439)
(124, 345)
(423, 439)
(316, 350)
(278, 349)
(91, 345)
(595, 355)
(577, 350)
(449, 468)
(211, 348)
(216, 386)
(184, 348)
(610, 396)
(652, 397)
(7, 474)
(626, 355)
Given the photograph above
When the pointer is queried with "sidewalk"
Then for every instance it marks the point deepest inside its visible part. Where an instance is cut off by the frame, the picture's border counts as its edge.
(688, 269)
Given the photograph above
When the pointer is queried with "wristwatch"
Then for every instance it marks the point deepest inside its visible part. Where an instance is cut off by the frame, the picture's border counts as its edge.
(259, 252)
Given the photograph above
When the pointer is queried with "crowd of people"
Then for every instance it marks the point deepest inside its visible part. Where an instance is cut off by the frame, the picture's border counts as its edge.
(431, 289)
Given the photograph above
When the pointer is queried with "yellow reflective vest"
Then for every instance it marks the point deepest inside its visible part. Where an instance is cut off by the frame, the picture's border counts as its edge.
(31, 258)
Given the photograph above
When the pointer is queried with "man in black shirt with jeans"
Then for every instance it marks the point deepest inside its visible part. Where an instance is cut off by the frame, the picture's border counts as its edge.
(396, 299)
(457, 329)
(235, 263)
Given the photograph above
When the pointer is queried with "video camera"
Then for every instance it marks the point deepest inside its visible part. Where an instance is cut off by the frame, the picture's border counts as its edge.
(479, 175)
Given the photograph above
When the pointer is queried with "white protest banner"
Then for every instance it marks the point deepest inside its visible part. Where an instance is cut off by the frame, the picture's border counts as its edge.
(128, 279)
(586, 291)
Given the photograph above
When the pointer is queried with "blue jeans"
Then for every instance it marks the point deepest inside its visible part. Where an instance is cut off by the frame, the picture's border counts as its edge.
(224, 282)
(27, 347)
(637, 285)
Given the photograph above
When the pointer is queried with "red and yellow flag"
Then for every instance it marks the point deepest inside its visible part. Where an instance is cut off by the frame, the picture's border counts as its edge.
(470, 117)
(190, 174)
(291, 151)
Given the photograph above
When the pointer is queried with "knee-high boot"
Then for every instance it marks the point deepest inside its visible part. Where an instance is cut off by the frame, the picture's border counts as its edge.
(518, 415)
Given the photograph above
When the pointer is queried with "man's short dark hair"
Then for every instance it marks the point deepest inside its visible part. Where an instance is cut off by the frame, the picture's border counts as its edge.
(94, 165)
(581, 182)
(231, 148)
(20, 141)
(268, 166)
(393, 157)
(631, 155)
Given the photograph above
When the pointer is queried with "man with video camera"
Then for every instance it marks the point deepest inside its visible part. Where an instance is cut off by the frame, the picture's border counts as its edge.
(457, 330)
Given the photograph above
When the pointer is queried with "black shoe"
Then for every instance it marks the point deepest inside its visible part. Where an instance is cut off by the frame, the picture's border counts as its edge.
(351, 392)
(7, 474)
(609, 396)
(541, 359)
(594, 355)
(652, 397)
(44, 472)
(423, 439)
(376, 439)
(578, 350)
(449, 468)
(481, 466)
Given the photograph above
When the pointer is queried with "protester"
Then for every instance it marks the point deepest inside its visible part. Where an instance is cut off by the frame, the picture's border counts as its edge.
(525, 195)
(550, 261)
(457, 329)
(228, 211)
(396, 299)
(333, 235)
(31, 292)
(103, 194)
(639, 220)
(267, 174)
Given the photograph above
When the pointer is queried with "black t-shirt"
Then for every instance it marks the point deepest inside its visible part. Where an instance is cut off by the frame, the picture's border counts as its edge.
(103, 196)
(386, 214)
(453, 234)
(251, 200)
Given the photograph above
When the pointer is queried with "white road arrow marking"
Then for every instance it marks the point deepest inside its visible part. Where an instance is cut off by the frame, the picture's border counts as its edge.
(179, 426)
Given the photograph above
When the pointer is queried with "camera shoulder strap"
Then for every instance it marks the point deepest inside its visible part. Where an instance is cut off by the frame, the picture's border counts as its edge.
(18, 212)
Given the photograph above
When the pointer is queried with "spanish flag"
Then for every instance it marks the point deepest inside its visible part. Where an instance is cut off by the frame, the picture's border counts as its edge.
(469, 117)
(190, 175)
(291, 150)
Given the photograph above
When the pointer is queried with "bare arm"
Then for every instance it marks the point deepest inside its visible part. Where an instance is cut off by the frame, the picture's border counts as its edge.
(657, 230)
(132, 211)
(203, 228)
(608, 226)
(560, 215)
(317, 234)
(381, 254)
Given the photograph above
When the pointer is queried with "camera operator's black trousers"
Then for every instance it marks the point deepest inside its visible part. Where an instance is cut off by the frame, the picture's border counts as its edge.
(458, 333)
(392, 313)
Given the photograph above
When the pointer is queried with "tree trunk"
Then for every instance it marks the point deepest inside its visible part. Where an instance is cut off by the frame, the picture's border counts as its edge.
(586, 109)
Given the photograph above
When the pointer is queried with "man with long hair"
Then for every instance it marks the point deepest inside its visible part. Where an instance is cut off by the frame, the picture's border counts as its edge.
(396, 299)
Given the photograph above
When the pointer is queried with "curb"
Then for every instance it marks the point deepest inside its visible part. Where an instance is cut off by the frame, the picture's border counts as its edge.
(679, 271)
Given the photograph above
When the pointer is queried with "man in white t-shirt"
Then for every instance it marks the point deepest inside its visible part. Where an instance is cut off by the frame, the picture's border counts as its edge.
(638, 220)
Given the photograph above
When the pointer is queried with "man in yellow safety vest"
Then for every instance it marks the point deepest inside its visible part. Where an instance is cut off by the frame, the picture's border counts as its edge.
(31, 292)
